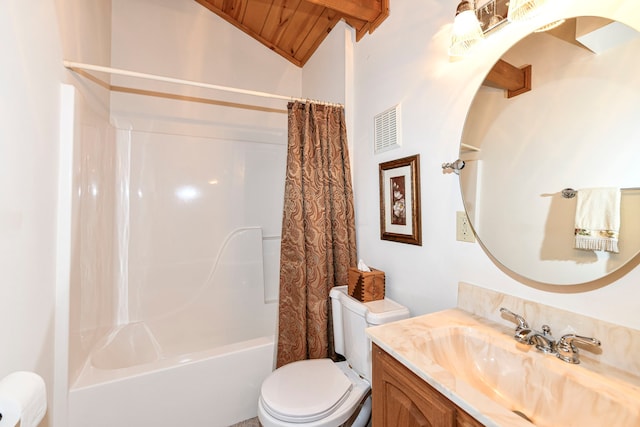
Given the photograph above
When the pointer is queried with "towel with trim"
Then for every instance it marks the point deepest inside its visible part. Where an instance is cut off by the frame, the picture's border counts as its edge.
(597, 224)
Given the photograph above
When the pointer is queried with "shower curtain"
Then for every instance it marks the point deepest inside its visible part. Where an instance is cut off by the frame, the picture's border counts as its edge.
(318, 230)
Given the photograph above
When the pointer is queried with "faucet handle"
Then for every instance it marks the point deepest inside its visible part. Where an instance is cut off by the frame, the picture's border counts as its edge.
(522, 323)
(568, 352)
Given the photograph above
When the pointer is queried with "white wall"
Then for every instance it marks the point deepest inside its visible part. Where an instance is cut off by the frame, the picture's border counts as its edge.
(324, 76)
(405, 61)
(328, 75)
(36, 36)
(184, 40)
(30, 73)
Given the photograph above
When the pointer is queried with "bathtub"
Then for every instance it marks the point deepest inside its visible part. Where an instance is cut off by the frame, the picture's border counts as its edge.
(198, 362)
(217, 387)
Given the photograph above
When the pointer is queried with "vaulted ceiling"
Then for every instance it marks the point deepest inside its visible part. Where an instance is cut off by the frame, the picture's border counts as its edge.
(295, 28)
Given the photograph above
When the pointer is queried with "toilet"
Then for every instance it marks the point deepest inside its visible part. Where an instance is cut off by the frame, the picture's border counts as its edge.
(323, 393)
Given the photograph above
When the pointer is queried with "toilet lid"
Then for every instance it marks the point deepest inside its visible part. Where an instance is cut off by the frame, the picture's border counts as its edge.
(305, 391)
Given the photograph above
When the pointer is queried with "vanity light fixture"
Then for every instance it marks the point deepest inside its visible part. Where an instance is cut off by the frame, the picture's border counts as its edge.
(466, 31)
(470, 26)
(492, 15)
(520, 10)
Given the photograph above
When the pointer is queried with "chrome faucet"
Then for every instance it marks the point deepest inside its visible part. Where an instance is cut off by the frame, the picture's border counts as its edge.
(564, 348)
(568, 352)
(526, 335)
(523, 327)
(542, 340)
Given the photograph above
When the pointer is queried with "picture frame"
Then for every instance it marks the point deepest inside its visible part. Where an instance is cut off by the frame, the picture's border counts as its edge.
(400, 213)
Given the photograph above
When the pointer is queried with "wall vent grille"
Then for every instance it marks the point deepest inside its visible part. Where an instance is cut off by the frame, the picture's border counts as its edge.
(387, 130)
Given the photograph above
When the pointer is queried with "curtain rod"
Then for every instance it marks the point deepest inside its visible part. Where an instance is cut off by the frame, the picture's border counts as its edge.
(90, 67)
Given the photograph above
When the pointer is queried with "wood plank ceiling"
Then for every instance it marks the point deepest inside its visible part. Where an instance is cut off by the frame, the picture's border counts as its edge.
(295, 28)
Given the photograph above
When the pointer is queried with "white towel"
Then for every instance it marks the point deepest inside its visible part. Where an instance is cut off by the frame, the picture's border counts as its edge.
(598, 219)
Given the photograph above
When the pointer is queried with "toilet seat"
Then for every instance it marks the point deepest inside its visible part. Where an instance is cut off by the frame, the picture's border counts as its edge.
(277, 409)
(320, 393)
(305, 391)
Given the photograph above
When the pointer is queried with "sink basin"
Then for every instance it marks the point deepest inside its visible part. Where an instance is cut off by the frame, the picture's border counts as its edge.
(542, 388)
(485, 371)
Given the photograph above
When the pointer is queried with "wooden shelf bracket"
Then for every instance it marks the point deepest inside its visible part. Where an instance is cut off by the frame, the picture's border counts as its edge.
(514, 80)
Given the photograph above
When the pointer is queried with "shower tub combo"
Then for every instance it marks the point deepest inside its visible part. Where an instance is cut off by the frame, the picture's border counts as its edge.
(159, 373)
(196, 300)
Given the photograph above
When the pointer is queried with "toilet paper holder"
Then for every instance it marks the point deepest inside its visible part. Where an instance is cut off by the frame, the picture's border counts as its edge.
(23, 399)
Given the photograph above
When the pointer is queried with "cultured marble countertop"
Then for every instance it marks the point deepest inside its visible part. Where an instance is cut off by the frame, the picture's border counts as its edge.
(405, 340)
(408, 341)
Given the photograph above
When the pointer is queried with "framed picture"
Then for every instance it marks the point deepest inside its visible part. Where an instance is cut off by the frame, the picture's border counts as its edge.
(400, 201)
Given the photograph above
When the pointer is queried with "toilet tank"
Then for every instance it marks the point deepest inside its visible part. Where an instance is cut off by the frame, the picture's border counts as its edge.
(350, 319)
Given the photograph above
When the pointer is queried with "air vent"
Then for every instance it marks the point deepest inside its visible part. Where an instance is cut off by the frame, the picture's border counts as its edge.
(387, 130)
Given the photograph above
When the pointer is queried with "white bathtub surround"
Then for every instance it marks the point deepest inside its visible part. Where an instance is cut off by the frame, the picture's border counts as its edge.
(204, 359)
(196, 308)
(620, 345)
(174, 296)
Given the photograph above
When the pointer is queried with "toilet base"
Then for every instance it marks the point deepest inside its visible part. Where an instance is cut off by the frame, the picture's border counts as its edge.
(362, 419)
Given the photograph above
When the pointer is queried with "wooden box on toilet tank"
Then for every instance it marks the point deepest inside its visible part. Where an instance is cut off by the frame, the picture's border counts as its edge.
(366, 286)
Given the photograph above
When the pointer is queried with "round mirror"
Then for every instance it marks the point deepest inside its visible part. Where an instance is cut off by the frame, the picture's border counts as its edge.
(577, 128)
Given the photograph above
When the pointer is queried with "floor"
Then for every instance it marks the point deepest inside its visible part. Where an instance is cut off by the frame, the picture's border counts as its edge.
(253, 422)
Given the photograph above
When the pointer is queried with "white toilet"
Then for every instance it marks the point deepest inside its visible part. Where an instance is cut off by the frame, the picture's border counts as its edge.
(319, 392)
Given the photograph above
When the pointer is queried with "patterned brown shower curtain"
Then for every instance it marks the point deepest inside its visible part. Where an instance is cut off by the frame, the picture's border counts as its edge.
(318, 230)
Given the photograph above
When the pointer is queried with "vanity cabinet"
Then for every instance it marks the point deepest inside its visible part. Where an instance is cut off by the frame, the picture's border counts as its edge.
(402, 399)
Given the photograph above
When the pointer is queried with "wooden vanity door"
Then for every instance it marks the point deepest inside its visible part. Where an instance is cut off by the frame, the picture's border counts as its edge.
(402, 399)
